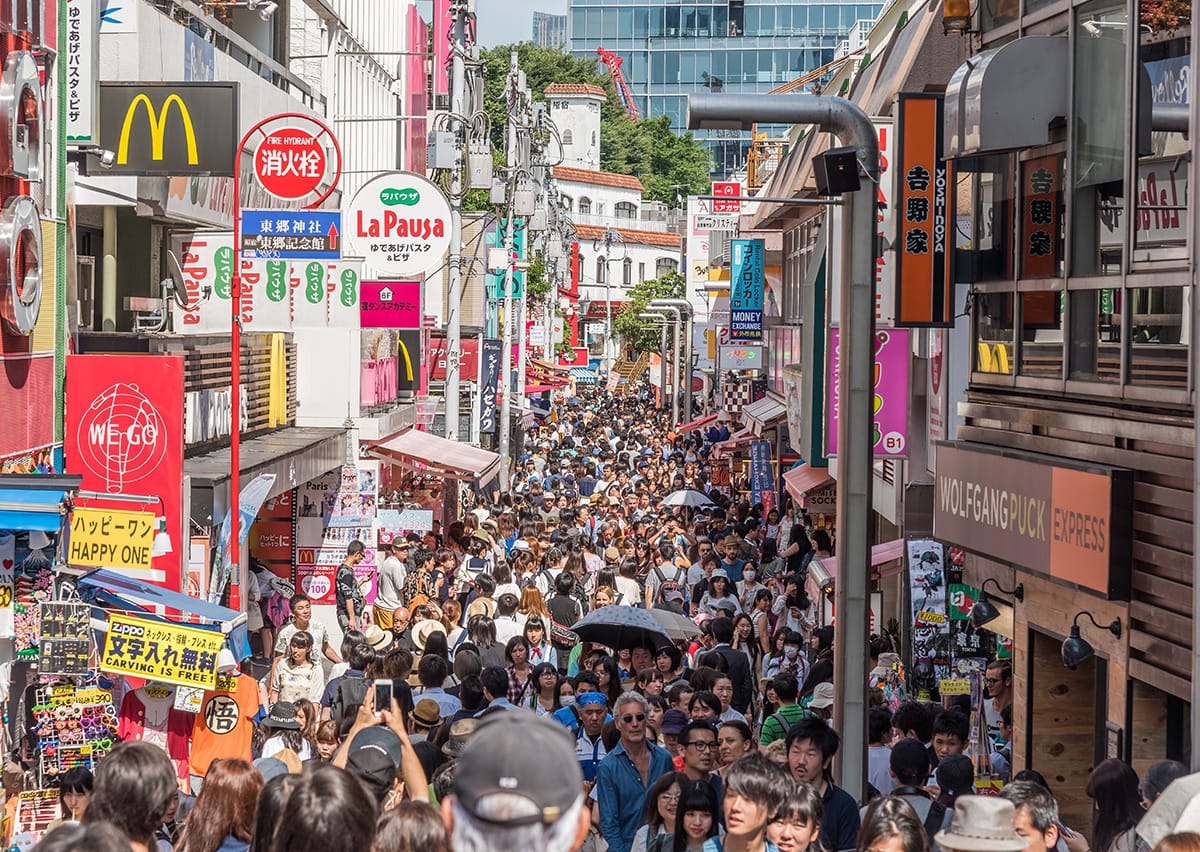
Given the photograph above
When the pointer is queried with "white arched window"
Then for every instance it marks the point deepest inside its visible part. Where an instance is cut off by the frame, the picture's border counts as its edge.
(625, 210)
(600, 270)
(568, 137)
(627, 272)
(664, 265)
(585, 205)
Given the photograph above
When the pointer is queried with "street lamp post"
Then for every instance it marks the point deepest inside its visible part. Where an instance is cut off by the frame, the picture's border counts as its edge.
(685, 308)
(855, 387)
(677, 322)
(661, 322)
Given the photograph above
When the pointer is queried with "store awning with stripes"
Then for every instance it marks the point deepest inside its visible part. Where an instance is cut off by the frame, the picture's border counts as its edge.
(584, 376)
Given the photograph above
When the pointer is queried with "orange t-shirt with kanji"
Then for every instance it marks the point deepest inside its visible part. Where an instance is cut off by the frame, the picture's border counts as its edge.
(225, 724)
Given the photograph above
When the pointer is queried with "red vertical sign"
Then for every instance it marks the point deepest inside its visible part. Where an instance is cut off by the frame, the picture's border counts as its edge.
(124, 435)
(1040, 180)
(727, 189)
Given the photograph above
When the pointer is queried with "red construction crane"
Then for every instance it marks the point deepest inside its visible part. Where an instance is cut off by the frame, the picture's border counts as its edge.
(614, 68)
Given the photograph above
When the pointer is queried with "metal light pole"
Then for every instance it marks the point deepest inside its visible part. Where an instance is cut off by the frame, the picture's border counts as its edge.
(855, 388)
(677, 323)
(685, 307)
(611, 238)
(458, 86)
(661, 322)
(506, 336)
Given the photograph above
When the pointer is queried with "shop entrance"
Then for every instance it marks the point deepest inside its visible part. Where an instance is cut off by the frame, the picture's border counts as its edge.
(1065, 727)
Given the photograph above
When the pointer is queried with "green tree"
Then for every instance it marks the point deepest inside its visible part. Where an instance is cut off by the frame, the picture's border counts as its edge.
(670, 166)
(643, 335)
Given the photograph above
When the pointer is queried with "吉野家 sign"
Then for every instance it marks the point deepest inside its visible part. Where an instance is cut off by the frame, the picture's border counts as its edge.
(399, 223)
(892, 350)
(746, 291)
(390, 304)
(291, 234)
(741, 356)
(1069, 523)
(171, 129)
(171, 653)
(924, 292)
(111, 538)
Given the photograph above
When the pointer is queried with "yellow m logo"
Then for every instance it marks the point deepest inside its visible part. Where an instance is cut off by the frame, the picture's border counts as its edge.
(158, 127)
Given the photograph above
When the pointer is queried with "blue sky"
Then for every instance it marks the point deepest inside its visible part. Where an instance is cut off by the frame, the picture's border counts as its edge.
(504, 21)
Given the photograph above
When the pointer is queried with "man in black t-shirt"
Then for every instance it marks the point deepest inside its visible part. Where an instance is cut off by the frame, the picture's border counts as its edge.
(349, 598)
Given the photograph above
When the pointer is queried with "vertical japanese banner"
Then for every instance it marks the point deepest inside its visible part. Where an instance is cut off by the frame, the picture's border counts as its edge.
(891, 400)
(931, 626)
(746, 290)
(124, 435)
(489, 383)
(82, 40)
(1040, 181)
(8, 558)
(762, 486)
(924, 295)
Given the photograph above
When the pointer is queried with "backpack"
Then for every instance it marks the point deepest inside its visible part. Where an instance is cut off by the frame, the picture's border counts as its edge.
(668, 587)
(937, 811)
(351, 694)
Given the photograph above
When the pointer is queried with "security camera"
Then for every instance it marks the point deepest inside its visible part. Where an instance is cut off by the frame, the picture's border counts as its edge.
(107, 158)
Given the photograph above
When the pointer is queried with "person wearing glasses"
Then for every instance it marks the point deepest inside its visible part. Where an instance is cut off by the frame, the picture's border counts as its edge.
(627, 773)
(997, 680)
(699, 744)
(661, 804)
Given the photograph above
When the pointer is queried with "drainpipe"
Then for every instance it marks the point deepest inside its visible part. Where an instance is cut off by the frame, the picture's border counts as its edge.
(108, 272)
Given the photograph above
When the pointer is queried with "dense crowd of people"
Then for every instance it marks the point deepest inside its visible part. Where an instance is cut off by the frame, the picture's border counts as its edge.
(462, 711)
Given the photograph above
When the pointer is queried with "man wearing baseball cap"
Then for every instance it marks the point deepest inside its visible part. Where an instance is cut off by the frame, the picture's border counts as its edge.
(507, 795)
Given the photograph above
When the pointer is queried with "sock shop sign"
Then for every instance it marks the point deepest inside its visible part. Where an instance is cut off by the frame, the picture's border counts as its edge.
(399, 223)
(1071, 524)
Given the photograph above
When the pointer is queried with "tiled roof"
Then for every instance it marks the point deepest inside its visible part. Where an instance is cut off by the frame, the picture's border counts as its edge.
(631, 236)
(575, 89)
(598, 178)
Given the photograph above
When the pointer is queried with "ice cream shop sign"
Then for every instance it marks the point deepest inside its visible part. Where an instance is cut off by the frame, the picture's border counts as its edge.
(400, 224)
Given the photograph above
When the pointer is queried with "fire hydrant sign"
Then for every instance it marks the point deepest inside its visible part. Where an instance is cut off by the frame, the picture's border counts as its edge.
(171, 653)
(110, 538)
(290, 164)
(399, 223)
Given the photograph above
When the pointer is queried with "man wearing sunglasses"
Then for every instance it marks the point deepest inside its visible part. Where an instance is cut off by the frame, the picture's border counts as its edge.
(627, 773)
(997, 680)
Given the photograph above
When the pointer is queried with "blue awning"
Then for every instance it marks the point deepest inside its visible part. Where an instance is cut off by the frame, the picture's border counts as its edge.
(112, 590)
(583, 374)
(30, 509)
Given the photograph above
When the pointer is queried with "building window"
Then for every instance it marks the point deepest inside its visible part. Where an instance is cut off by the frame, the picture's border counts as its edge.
(664, 265)
(566, 202)
(1041, 334)
(1094, 353)
(601, 277)
(994, 332)
(625, 210)
(568, 137)
(585, 205)
(627, 272)
(1158, 336)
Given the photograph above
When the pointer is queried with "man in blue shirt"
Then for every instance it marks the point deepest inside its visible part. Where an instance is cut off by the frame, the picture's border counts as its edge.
(811, 745)
(627, 773)
(495, 689)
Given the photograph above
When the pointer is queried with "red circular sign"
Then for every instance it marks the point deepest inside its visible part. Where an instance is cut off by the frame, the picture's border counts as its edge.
(290, 164)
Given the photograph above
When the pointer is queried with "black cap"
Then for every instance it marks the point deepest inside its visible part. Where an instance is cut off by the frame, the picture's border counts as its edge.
(518, 753)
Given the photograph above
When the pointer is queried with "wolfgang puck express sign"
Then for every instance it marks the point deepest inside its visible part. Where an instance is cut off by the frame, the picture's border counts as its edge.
(1069, 523)
(399, 223)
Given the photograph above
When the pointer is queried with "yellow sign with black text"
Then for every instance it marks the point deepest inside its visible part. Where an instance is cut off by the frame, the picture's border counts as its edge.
(111, 538)
(170, 653)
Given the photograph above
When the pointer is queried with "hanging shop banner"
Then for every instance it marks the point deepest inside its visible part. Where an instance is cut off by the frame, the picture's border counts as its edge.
(272, 538)
(1069, 523)
(65, 638)
(82, 45)
(171, 129)
(124, 435)
(892, 351)
(8, 557)
(924, 293)
(746, 290)
(931, 626)
(111, 538)
(489, 384)
(399, 222)
(1041, 181)
(390, 304)
(762, 486)
(395, 523)
(170, 653)
(249, 502)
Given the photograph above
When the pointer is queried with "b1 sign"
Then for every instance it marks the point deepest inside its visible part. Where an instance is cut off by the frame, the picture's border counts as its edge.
(400, 224)
(892, 349)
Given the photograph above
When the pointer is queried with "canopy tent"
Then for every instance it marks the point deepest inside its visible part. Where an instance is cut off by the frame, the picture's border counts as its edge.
(584, 376)
(107, 589)
(801, 479)
(35, 501)
(698, 423)
(888, 551)
(762, 413)
(431, 454)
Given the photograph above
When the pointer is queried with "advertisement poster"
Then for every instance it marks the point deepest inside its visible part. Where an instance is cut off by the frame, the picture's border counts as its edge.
(892, 351)
(345, 501)
(394, 523)
(273, 534)
(931, 624)
(110, 538)
(746, 290)
(390, 304)
(316, 581)
(761, 482)
(124, 435)
(169, 653)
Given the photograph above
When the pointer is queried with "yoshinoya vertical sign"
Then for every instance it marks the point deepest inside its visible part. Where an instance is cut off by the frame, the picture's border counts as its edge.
(892, 350)
(489, 383)
(746, 290)
(124, 434)
(1069, 522)
(1040, 182)
(924, 297)
(399, 223)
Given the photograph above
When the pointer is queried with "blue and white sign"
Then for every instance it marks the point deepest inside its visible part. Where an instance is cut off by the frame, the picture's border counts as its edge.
(762, 484)
(746, 291)
(291, 234)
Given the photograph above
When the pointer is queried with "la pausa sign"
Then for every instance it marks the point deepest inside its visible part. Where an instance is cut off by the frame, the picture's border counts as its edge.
(399, 223)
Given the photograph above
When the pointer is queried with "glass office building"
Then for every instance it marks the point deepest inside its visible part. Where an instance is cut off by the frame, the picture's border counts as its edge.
(672, 48)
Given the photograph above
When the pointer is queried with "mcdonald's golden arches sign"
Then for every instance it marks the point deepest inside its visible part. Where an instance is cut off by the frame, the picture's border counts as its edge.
(172, 129)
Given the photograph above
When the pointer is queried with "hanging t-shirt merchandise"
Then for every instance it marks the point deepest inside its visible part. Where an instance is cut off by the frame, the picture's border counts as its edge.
(225, 723)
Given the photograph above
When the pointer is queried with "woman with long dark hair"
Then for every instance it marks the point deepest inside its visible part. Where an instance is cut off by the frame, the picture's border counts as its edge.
(223, 817)
(1116, 806)
(543, 695)
(697, 817)
(662, 802)
(606, 670)
(270, 803)
(891, 823)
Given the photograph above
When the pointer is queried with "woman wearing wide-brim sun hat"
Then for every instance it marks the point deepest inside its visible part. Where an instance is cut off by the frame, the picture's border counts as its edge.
(982, 824)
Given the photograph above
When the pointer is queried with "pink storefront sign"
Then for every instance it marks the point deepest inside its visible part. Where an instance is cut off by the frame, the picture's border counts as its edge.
(390, 304)
(892, 349)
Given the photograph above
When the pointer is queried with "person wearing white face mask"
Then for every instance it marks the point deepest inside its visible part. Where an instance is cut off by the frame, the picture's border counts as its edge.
(748, 587)
(791, 661)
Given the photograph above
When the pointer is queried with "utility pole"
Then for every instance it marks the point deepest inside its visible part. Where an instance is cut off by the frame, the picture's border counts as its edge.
(461, 11)
(510, 151)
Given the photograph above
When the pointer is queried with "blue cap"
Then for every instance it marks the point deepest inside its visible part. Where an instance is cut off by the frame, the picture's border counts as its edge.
(585, 698)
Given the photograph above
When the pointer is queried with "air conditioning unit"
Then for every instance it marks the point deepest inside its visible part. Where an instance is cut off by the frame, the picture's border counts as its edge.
(85, 291)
